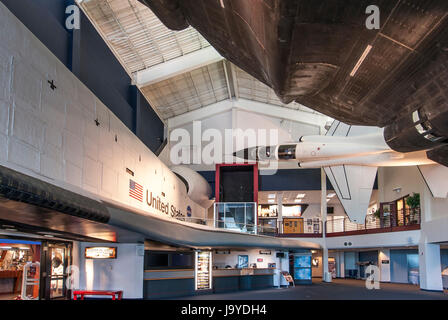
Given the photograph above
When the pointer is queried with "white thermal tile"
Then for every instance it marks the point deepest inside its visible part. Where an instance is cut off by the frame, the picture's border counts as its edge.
(109, 180)
(23, 155)
(67, 83)
(3, 147)
(90, 148)
(85, 97)
(51, 167)
(27, 127)
(73, 174)
(91, 173)
(74, 120)
(5, 74)
(73, 149)
(54, 98)
(4, 116)
(27, 85)
(53, 136)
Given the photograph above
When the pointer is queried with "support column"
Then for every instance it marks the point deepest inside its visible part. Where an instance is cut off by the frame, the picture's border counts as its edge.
(280, 213)
(384, 264)
(430, 268)
(326, 277)
(342, 264)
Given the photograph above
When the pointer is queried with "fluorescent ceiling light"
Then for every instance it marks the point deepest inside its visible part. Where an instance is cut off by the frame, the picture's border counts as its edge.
(328, 200)
(271, 196)
(271, 201)
(23, 248)
(331, 195)
(5, 248)
(298, 200)
(361, 60)
(301, 195)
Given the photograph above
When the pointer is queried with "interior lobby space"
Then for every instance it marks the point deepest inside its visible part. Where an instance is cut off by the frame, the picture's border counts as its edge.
(223, 150)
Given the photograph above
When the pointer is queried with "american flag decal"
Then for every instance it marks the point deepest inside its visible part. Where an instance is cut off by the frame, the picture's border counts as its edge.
(135, 190)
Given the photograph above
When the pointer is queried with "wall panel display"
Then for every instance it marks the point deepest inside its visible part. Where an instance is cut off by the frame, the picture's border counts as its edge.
(302, 268)
(203, 270)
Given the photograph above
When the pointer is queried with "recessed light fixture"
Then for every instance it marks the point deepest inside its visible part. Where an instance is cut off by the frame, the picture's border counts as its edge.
(48, 236)
(361, 60)
(271, 196)
(301, 195)
(328, 200)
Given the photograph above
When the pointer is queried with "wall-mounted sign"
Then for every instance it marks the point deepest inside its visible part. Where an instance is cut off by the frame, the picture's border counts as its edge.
(265, 252)
(101, 253)
(385, 261)
(222, 251)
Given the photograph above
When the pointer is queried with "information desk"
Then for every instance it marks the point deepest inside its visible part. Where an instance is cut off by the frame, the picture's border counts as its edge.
(180, 282)
(242, 279)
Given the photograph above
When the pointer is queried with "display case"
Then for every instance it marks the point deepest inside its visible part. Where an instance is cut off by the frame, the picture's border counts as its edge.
(203, 270)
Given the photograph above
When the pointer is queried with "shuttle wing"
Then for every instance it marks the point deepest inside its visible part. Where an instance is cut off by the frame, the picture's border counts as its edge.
(353, 185)
(436, 177)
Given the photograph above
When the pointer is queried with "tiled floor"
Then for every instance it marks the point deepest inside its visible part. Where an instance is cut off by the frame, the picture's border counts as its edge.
(339, 289)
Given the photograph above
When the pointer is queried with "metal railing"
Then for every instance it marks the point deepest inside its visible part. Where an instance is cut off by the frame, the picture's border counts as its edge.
(401, 218)
(311, 227)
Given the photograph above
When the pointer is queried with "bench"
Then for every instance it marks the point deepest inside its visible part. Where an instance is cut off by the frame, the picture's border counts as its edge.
(116, 295)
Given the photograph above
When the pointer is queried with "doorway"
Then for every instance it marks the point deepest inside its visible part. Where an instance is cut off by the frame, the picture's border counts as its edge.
(56, 258)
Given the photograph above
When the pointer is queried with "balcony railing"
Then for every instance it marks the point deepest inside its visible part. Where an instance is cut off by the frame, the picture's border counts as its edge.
(240, 217)
(401, 220)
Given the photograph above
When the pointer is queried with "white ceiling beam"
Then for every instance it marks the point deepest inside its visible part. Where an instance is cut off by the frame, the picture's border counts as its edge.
(314, 119)
(317, 120)
(174, 67)
(199, 114)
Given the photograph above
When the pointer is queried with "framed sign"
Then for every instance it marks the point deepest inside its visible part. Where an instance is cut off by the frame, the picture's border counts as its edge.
(101, 253)
(265, 252)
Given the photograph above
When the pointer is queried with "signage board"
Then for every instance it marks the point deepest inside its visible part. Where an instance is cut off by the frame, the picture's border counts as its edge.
(101, 253)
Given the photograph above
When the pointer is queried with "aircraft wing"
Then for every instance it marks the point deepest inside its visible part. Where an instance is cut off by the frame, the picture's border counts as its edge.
(340, 129)
(353, 185)
(436, 178)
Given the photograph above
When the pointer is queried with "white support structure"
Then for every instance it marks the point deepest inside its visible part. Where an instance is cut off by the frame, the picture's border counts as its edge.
(174, 67)
(430, 267)
(309, 118)
(326, 276)
(317, 120)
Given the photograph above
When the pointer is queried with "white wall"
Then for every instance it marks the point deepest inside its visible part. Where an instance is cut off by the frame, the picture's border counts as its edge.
(52, 135)
(124, 273)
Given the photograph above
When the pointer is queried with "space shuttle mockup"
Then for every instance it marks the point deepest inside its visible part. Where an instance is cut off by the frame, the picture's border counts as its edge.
(350, 156)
